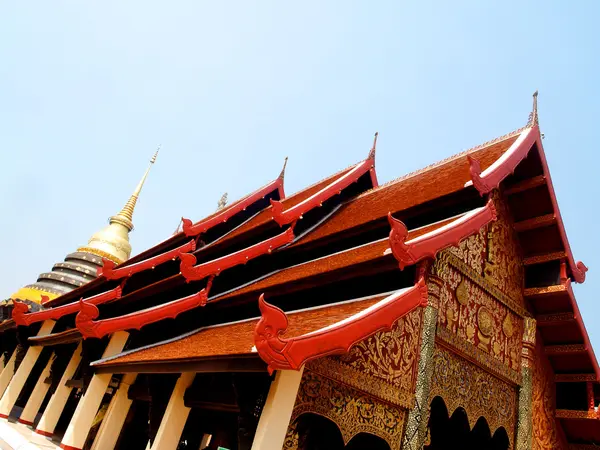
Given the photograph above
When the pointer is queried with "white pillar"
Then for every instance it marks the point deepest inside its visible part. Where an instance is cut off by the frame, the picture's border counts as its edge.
(57, 402)
(83, 417)
(115, 416)
(37, 395)
(20, 377)
(176, 414)
(8, 372)
(277, 412)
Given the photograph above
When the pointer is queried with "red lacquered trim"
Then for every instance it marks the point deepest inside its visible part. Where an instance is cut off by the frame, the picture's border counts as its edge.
(97, 329)
(429, 244)
(21, 317)
(192, 272)
(109, 272)
(203, 226)
(25, 422)
(3, 416)
(295, 212)
(284, 354)
(68, 447)
(489, 179)
(44, 433)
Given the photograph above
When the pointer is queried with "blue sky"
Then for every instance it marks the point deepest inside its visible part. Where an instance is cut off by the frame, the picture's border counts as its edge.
(231, 88)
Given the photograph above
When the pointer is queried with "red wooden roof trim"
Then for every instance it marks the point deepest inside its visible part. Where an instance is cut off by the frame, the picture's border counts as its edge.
(295, 212)
(22, 318)
(586, 339)
(192, 272)
(428, 245)
(489, 179)
(284, 354)
(110, 273)
(204, 225)
(90, 328)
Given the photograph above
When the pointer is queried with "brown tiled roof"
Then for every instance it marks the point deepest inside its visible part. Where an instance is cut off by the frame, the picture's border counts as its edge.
(265, 215)
(443, 178)
(238, 338)
(347, 258)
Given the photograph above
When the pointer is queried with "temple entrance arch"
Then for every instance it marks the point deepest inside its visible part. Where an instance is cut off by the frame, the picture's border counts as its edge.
(366, 441)
(449, 432)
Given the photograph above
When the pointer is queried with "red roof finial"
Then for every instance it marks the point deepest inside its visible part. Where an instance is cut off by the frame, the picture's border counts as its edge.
(372, 152)
(533, 115)
(282, 174)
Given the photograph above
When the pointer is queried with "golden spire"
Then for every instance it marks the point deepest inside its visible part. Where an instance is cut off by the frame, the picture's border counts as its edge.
(112, 242)
(125, 216)
(533, 115)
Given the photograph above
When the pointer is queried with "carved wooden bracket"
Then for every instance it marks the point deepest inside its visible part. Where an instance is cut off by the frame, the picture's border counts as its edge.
(109, 272)
(21, 317)
(283, 354)
(429, 244)
(192, 272)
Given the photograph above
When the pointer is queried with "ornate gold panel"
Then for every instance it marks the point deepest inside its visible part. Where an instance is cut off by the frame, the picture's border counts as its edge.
(351, 410)
(464, 385)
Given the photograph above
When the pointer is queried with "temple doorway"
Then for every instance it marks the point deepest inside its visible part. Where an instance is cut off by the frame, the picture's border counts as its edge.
(450, 432)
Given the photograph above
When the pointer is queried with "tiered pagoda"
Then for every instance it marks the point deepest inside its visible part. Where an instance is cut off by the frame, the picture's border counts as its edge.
(435, 311)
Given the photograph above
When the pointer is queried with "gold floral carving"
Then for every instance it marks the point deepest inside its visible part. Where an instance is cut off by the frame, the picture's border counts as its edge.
(462, 293)
(464, 385)
(389, 357)
(351, 410)
(545, 433)
(485, 321)
(508, 327)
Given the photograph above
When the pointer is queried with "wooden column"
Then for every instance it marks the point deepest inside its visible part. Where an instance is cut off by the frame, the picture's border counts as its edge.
(416, 423)
(57, 402)
(276, 414)
(8, 372)
(176, 414)
(20, 377)
(83, 417)
(524, 419)
(115, 416)
(37, 395)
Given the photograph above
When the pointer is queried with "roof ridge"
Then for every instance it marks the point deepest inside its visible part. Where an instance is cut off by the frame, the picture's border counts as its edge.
(443, 161)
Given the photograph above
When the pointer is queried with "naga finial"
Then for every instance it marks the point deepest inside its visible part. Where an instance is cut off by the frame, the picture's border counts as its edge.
(282, 174)
(533, 115)
(222, 202)
(372, 152)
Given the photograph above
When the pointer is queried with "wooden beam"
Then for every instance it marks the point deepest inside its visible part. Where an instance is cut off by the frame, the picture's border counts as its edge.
(576, 414)
(546, 290)
(565, 349)
(574, 377)
(535, 222)
(549, 320)
(525, 185)
(547, 257)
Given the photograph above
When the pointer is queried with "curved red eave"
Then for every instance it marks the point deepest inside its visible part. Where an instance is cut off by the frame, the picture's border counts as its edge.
(21, 317)
(90, 328)
(485, 181)
(284, 354)
(429, 244)
(295, 212)
(203, 226)
(109, 271)
(192, 272)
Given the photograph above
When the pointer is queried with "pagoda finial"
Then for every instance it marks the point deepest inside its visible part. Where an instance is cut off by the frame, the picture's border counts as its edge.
(372, 152)
(282, 174)
(125, 216)
(222, 202)
(533, 115)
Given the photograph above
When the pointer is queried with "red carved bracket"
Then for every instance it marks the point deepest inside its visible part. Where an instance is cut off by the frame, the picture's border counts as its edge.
(429, 244)
(192, 272)
(89, 328)
(295, 212)
(108, 267)
(203, 226)
(489, 179)
(579, 272)
(22, 318)
(284, 354)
